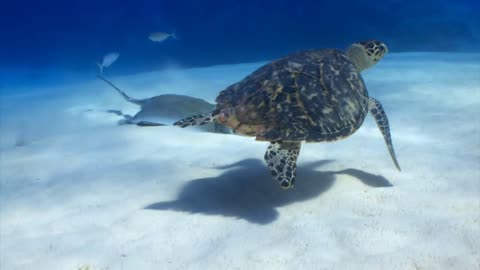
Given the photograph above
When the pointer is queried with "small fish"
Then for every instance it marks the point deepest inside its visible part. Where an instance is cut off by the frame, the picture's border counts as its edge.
(108, 60)
(161, 36)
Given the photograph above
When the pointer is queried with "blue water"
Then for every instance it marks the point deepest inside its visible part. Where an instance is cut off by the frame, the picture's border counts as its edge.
(72, 35)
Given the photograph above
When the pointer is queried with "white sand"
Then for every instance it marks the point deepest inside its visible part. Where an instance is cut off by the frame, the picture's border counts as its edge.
(75, 192)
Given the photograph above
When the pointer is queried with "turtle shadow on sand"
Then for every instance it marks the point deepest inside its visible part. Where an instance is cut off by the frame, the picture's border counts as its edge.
(246, 190)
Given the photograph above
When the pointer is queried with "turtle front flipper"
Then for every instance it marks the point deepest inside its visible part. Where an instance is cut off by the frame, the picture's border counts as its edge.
(197, 120)
(281, 158)
(381, 119)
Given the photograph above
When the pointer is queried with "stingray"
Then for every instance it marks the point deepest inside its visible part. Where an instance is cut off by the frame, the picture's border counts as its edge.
(157, 109)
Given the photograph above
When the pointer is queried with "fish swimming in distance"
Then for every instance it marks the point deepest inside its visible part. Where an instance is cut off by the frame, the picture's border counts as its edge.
(161, 36)
(107, 61)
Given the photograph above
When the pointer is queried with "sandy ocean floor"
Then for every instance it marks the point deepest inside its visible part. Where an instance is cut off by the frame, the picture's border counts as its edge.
(78, 190)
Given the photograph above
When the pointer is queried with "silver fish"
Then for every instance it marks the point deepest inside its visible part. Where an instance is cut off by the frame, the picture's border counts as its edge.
(108, 60)
(161, 36)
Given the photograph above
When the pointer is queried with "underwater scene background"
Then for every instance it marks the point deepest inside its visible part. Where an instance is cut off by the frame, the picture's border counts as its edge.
(70, 34)
(93, 174)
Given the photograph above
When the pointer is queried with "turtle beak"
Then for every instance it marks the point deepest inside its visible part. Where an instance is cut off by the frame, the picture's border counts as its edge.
(383, 48)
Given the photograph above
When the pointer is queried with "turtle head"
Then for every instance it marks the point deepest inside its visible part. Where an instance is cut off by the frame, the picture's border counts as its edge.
(365, 54)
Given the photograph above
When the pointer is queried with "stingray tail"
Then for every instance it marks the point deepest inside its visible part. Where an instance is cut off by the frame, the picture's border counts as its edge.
(125, 96)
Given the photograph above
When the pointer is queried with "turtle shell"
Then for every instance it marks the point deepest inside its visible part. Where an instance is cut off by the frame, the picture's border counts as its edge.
(315, 95)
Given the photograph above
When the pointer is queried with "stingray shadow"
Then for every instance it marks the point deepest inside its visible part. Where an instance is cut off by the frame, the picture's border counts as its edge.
(131, 120)
(246, 190)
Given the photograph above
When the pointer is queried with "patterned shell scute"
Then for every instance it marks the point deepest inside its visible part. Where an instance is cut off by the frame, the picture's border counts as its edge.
(313, 95)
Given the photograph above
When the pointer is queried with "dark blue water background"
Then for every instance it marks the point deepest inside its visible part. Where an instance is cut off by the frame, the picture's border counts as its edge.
(41, 36)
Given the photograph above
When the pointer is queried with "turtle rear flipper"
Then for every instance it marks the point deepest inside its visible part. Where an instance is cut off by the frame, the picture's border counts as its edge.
(381, 119)
(281, 158)
(197, 120)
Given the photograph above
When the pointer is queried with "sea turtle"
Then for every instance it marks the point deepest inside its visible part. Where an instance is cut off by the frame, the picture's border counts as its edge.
(156, 110)
(312, 96)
